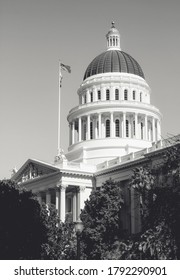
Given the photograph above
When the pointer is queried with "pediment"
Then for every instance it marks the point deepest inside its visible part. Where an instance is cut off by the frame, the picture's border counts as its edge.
(33, 169)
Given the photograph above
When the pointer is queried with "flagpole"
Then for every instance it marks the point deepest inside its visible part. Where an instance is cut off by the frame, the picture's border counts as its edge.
(59, 110)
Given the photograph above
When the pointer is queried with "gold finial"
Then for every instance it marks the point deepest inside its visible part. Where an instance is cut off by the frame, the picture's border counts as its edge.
(113, 24)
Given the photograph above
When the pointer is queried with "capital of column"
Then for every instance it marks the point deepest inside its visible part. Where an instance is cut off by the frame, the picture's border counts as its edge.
(81, 188)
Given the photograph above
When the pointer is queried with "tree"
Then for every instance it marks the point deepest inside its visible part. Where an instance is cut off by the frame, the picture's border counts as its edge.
(101, 218)
(22, 231)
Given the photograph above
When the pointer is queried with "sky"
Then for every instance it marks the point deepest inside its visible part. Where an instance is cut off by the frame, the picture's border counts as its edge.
(35, 34)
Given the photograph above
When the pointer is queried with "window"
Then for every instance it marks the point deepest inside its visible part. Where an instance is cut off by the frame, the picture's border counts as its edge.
(125, 94)
(91, 130)
(91, 96)
(99, 95)
(140, 97)
(85, 99)
(141, 130)
(84, 132)
(117, 94)
(107, 128)
(127, 128)
(134, 95)
(134, 128)
(107, 94)
(117, 128)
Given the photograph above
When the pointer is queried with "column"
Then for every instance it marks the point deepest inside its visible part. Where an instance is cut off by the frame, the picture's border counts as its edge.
(124, 125)
(136, 125)
(74, 207)
(63, 202)
(158, 130)
(57, 201)
(48, 197)
(153, 129)
(39, 197)
(80, 200)
(79, 129)
(146, 128)
(73, 127)
(95, 128)
(88, 127)
(99, 119)
(70, 134)
(112, 125)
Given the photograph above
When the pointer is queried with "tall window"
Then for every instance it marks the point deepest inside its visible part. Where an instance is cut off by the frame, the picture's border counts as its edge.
(125, 94)
(134, 128)
(91, 96)
(141, 130)
(84, 131)
(107, 128)
(140, 97)
(117, 94)
(127, 128)
(91, 130)
(117, 128)
(134, 95)
(99, 95)
(85, 99)
(107, 94)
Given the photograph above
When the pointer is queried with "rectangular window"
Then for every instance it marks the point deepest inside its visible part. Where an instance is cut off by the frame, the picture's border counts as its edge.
(91, 94)
(134, 95)
(99, 95)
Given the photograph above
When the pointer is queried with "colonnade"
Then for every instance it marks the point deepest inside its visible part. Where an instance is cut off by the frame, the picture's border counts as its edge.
(114, 124)
(66, 202)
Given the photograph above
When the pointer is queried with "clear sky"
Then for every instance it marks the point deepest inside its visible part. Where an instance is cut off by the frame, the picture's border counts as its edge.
(34, 34)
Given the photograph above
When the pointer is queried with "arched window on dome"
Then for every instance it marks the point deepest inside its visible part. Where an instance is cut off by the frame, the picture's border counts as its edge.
(127, 128)
(99, 95)
(91, 130)
(107, 128)
(125, 94)
(140, 96)
(91, 96)
(117, 128)
(107, 94)
(134, 95)
(142, 126)
(116, 94)
(114, 41)
(85, 99)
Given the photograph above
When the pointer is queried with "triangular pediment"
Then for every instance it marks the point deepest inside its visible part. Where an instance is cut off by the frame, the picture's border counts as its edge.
(33, 169)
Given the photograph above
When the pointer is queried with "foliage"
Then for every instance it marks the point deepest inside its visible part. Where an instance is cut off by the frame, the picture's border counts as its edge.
(102, 220)
(21, 228)
(158, 189)
(61, 237)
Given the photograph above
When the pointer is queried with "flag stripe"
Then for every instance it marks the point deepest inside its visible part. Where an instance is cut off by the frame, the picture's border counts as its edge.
(65, 67)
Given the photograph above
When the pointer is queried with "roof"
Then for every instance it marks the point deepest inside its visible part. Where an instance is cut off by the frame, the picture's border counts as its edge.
(113, 61)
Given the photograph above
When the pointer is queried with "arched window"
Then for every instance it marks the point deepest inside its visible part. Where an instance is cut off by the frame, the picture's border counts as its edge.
(127, 128)
(140, 97)
(117, 128)
(116, 94)
(125, 94)
(91, 130)
(134, 95)
(85, 99)
(91, 96)
(99, 95)
(107, 94)
(141, 130)
(107, 128)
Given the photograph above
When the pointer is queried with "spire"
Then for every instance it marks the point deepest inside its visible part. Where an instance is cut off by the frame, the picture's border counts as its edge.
(113, 38)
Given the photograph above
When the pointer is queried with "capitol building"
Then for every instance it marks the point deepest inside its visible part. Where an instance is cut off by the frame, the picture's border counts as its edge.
(112, 130)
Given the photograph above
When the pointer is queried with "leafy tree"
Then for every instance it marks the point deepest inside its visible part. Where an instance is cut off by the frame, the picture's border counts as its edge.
(101, 218)
(21, 226)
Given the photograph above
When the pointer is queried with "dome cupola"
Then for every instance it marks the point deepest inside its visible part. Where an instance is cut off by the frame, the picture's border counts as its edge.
(113, 38)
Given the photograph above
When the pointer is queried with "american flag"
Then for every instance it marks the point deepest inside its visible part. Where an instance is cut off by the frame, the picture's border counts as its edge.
(65, 67)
